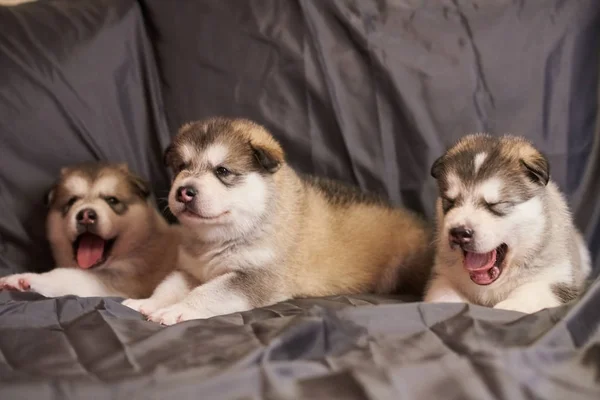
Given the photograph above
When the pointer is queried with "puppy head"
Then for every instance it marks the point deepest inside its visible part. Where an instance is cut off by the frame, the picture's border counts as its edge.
(490, 206)
(224, 175)
(95, 212)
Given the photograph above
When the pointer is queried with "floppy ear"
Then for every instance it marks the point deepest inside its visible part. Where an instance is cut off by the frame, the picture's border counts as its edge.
(269, 158)
(536, 167)
(437, 167)
(141, 187)
(168, 156)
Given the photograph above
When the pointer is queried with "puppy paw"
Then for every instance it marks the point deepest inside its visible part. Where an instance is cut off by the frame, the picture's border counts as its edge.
(178, 313)
(513, 305)
(17, 282)
(143, 306)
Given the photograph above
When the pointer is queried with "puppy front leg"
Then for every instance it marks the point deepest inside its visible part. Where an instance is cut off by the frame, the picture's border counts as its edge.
(170, 291)
(530, 298)
(226, 294)
(440, 290)
(59, 282)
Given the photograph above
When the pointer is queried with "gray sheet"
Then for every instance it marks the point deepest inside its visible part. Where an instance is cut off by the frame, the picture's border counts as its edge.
(358, 347)
(369, 92)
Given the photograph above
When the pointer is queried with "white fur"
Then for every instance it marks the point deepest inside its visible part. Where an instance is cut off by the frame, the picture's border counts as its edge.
(521, 226)
(530, 297)
(478, 161)
(237, 209)
(205, 301)
(105, 186)
(59, 282)
(521, 229)
(104, 225)
(187, 153)
(216, 255)
(441, 291)
(489, 190)
(584, 255)
(454, 186)
(170, 291)
(77, 185)
(217, 260)
(215, 154)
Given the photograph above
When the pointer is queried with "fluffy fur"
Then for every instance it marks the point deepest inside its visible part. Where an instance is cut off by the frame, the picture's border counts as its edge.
(498, 192)
(256, 233)
(140, 248)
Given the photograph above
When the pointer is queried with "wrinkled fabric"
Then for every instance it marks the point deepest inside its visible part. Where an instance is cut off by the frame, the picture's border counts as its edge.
(372, 92)
(369, 92)
(350, 347)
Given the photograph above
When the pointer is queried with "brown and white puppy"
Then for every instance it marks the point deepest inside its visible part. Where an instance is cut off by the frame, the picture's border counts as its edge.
(505, 236)
(106, 236)
(257, 233)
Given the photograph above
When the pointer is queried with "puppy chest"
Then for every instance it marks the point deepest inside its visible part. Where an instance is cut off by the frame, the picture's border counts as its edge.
(216, 262)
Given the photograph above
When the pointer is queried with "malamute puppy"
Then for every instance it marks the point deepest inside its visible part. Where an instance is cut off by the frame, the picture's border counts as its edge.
(505, 236)
(257, 233)
(107, 238)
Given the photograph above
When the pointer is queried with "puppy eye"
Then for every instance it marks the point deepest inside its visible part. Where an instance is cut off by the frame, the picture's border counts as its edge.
(447, 203)
(222, 172)
(72, 201)
(112, 200)
(497, 203)
(500, 207)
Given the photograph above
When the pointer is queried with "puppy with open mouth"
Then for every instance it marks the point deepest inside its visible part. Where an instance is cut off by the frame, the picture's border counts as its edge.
(106, 236)
(256, 233)
(505, 236)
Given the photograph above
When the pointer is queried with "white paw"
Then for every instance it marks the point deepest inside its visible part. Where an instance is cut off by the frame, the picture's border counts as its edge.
(16, 282)
(143, 306)
(514, 305)
(178, 312)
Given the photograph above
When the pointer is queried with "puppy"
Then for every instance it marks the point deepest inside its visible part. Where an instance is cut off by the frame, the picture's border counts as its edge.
(106, 237)
(257, 233)
(505, 236)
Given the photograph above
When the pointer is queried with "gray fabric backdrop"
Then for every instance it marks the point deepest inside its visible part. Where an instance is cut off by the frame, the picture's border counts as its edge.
(370, 92)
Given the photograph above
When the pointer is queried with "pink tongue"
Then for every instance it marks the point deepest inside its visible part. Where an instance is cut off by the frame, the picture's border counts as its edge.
(90, 250)
(479, 261)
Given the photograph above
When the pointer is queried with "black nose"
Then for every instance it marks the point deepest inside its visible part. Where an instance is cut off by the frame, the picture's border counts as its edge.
(461, 234)
(185, 194)
(86, 216)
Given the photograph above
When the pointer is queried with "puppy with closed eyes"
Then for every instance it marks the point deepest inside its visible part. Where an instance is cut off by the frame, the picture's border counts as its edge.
(505, 235)
(256, 233)
(106, 236)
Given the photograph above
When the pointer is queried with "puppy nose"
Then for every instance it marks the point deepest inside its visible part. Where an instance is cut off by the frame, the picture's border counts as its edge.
(86, 216)
(461, 235)
(185, 194)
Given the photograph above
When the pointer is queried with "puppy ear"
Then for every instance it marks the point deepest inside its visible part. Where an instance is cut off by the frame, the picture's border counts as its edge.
(437, 167)
(140, 186)
(168, 155)
(536, 167)
(269, 158)
(49, 196)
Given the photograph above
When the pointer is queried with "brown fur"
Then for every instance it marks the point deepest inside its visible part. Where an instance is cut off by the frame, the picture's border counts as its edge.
(544, 260)
(146, 248)
(329, 238)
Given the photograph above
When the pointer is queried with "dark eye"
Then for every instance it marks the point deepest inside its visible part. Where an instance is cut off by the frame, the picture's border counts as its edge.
(112, 200)
(447, 203)
(222, 172)
(72, 201)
